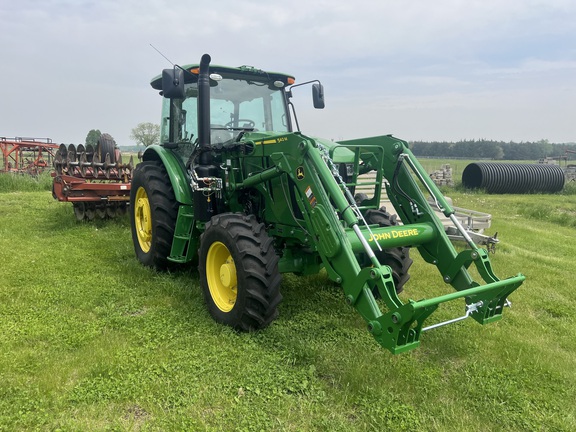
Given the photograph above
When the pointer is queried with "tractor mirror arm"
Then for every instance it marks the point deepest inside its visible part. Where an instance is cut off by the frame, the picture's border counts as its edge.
(317, 92)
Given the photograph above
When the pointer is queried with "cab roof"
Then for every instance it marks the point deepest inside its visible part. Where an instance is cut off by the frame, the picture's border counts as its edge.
(241, 72)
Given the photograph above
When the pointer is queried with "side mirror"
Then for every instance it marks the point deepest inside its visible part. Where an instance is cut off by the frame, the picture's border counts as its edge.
(318, 95)
(173, 83)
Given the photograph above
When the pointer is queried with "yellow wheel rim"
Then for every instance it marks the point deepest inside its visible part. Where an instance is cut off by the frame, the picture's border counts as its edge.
(143, 220)
(221, 276)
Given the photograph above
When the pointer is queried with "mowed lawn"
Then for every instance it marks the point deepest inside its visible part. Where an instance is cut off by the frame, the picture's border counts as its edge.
(91, 340)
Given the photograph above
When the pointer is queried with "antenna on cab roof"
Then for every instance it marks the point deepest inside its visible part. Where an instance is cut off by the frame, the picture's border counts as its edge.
(159, 52)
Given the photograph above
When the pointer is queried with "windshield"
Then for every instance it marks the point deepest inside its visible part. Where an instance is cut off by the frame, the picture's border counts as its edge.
(235, 105)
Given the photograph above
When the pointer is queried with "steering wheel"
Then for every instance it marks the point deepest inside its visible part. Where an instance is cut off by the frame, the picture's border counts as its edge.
(251, 124)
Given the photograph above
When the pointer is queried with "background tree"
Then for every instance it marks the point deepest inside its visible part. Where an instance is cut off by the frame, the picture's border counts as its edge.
(93, 137)
(487, 149)
(146, 134)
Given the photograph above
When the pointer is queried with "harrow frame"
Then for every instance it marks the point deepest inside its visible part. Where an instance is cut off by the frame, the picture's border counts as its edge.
(26, 155)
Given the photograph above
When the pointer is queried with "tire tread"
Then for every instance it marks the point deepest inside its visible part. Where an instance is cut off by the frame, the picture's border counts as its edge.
(256, 263)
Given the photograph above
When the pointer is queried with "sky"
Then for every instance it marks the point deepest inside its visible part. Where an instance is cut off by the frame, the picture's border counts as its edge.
(443, 70)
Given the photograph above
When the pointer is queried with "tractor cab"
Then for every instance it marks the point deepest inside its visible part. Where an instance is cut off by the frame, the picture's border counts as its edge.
(241, 99)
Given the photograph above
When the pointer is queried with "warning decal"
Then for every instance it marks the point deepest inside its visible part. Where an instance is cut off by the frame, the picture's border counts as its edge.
(310, 196)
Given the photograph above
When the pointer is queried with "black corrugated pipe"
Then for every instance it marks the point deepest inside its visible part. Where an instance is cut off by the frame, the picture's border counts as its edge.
(513, 178)
(204, 102)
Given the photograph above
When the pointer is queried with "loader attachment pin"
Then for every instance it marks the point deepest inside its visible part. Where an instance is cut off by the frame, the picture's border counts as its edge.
(470, 309)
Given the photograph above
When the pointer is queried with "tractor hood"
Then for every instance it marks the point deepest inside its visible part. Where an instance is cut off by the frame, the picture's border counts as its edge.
(338, 153)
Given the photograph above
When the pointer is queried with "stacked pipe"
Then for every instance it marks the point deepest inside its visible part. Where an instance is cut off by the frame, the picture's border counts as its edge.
(513, 178)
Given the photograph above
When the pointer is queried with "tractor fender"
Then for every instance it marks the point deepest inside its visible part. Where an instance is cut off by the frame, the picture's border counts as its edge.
(175, 169)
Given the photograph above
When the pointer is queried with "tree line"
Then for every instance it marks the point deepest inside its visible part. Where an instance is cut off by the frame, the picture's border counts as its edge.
(488, 149)
(143, 134)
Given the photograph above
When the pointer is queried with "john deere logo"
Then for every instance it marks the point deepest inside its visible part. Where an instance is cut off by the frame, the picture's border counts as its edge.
(300, 173)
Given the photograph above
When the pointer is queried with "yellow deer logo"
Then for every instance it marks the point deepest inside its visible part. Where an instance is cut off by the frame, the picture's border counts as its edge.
(300, 173)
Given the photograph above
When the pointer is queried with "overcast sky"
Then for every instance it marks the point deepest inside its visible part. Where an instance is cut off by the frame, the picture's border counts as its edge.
(419, 69)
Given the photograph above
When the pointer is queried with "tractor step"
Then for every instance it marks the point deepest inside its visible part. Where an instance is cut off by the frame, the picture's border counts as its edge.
(182, 248)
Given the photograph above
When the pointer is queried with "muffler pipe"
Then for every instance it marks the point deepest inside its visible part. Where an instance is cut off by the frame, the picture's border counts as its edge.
(204, 108)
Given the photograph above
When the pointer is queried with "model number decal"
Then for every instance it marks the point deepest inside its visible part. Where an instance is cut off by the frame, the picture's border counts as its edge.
(272, 141)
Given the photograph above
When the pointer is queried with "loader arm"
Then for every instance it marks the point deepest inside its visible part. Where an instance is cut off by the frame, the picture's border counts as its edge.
(337, 232)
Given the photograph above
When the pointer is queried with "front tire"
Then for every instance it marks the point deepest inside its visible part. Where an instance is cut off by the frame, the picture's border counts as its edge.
(239, 272)
(153, 214)
(398, 258)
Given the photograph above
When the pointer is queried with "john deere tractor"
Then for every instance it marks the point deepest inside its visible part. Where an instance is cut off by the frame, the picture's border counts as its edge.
(237, 187)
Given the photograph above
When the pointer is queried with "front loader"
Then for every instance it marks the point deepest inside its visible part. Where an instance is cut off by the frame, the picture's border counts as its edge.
(236, 187)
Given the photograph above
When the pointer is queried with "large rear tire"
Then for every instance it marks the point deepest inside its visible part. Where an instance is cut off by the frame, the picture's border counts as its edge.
(398, 258)
(153, 214)
(106, 145)
(239, 273)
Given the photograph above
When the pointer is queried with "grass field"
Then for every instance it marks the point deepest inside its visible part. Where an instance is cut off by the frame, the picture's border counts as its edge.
(91, 340)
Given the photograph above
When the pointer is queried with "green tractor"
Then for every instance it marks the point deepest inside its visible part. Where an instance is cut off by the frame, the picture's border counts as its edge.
(236, 187)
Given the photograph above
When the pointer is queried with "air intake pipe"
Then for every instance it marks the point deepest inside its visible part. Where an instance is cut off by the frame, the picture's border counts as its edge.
(513, 178)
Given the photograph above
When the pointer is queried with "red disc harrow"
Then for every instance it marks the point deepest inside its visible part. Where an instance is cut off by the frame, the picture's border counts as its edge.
(94, 179)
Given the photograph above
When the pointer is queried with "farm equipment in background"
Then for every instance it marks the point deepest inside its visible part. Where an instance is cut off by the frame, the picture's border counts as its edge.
(569, 168)
(94, 179)
(474, 222)
(235, 186)
(26, 155)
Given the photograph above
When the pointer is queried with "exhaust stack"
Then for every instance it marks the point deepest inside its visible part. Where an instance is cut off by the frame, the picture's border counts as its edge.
(207, 197)
(204, 103)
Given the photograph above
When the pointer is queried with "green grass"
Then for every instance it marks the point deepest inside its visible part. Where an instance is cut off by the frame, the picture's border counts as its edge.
(91, 340)
(11, 182)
